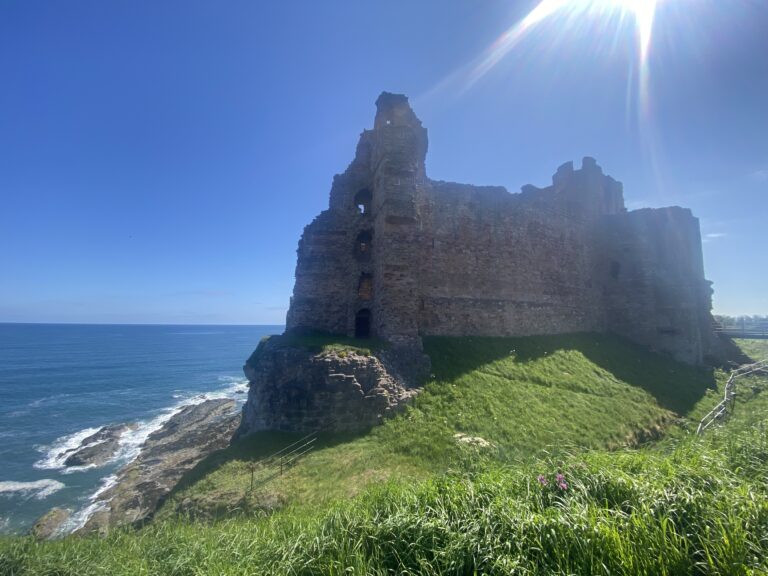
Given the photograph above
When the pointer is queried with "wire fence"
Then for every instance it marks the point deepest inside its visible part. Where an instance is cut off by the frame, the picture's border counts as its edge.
(725, 406)
(275, 465)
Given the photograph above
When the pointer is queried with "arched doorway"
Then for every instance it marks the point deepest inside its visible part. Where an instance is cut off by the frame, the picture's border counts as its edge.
(363, 323)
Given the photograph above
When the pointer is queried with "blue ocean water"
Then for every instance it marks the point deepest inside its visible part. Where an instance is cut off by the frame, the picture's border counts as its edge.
(61, 382)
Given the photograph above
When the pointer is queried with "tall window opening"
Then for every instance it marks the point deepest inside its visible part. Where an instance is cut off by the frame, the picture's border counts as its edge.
(363, 201)
(363, 324)
(365, 287)
(364, 245)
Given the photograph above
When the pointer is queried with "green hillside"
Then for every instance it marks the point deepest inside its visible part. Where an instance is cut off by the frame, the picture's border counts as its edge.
(523, 396)
(688, 505)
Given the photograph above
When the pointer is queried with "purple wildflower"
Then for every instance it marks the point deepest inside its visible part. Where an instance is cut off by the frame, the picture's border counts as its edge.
(542, 480)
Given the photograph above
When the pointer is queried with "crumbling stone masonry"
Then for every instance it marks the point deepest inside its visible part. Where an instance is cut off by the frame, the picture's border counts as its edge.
(400, 256)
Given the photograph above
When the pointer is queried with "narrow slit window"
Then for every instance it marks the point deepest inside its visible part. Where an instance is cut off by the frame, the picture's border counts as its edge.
(363, 201)
(365, 287)
(364, 245)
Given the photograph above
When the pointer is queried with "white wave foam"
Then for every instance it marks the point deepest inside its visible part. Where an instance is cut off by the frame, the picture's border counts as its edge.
(236, 386)
(131, 441)
(79, 518)
(38, 489)
(57, 453)
(55, 398)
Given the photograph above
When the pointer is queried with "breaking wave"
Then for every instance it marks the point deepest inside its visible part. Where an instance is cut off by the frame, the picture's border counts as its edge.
(37, 489)
(55, 454)
(130, 443)
(131, 440)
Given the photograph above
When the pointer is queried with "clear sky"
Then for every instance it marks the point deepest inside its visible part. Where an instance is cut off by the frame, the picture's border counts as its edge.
(159, 159)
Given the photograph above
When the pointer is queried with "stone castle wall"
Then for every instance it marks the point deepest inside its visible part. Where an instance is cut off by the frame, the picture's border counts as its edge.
(400, 256)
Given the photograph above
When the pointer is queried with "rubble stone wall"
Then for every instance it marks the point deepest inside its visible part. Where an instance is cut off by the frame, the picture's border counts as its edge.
(440, 258)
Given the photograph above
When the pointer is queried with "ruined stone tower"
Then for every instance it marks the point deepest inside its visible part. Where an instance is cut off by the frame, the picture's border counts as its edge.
(399, 256)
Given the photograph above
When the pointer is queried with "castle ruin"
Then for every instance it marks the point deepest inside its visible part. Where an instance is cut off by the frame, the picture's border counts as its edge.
(399, 256)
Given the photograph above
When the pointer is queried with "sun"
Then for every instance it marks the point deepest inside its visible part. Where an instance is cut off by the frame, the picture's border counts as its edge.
(641, 11)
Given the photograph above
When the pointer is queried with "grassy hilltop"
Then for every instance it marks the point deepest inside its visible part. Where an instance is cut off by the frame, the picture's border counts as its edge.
(565, 484)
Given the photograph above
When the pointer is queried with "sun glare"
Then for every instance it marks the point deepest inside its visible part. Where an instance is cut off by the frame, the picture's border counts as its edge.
(642, 11)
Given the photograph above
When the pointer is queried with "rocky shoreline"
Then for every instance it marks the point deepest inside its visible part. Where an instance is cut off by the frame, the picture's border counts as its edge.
(169, 453)
(141, 486)
(98, 448)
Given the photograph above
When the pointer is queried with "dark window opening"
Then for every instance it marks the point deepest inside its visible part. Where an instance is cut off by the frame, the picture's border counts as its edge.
(615, 269)
(363, 201)
(363, 324)
(364, 245)
(365, 287)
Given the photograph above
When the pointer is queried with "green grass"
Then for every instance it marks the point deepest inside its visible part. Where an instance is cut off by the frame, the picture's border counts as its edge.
(526, 396)
(319, 342)
(755, 349)
(408, 499)
(699, 507)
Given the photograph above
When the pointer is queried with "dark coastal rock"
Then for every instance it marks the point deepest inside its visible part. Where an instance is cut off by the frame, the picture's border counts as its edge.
(97, 449)
(49, 524)
(166, 456)
(296, 389)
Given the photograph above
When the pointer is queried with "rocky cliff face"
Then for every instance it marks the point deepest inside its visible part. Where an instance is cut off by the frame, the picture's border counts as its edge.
(293, 388)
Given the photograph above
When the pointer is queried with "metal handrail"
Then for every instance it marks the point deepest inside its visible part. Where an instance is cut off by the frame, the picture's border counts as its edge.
(275, 464)
(721, 410)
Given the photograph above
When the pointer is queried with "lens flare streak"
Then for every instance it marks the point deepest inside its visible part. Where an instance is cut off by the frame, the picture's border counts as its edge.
(643, 12)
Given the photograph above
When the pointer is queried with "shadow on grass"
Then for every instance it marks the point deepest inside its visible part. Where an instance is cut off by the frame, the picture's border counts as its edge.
(255, 448)
(676, 386)
(731, 354)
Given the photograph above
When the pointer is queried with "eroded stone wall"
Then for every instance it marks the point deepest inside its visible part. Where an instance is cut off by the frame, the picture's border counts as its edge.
(452, 259)
(653, 281)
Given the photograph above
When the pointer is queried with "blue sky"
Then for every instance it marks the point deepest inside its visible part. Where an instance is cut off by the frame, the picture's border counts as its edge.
(159, 160)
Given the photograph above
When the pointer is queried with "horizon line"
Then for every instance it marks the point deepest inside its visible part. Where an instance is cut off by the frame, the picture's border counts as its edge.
(126, 324)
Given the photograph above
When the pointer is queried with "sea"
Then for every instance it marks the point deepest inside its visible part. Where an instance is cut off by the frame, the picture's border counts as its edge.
(60, 383)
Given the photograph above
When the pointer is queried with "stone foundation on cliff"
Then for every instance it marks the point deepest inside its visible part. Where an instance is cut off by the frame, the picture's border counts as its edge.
(298, 389)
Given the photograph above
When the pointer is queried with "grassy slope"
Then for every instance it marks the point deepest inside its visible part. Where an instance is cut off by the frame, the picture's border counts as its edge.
(757, 349)
(697, 506)
(524, 395)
